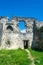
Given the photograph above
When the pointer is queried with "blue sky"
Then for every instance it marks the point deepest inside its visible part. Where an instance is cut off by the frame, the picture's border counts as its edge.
(25, 8)
(22, 25)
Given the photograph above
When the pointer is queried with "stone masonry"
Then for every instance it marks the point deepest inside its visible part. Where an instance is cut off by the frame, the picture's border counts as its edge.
(11, 36)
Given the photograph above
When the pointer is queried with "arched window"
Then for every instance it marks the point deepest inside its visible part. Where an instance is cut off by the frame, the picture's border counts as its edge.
(22, 26)
(10, 28)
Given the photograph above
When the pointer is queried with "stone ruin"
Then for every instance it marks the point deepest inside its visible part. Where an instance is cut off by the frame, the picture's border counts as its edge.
(10, 35)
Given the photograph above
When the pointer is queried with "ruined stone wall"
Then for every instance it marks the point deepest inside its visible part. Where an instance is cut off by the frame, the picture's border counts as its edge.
(12, 37)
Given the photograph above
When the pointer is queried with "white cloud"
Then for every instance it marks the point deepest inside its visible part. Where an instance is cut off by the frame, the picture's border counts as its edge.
(23, 31)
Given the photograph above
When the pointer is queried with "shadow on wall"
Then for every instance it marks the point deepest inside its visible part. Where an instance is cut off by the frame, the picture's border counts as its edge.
(34, 35)
(37, 43)
(1, 30)
(39, 39)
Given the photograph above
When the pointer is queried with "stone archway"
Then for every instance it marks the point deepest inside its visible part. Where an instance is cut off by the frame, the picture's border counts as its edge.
(9, 28)
(22, 26)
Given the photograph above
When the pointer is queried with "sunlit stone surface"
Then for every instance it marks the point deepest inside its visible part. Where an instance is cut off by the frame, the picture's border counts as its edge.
(10, 35)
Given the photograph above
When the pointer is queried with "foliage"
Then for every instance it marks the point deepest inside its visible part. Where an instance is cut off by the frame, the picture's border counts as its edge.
(39, 39)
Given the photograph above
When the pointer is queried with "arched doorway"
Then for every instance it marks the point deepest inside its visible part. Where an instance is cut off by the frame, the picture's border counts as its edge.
(10, 28)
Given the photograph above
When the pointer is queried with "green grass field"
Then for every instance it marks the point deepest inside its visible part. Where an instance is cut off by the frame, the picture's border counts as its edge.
(14, 57)
(38, 57)
(20, 57)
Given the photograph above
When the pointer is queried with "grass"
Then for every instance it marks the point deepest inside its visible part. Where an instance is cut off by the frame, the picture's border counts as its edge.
(14, 57)
(38, 57)
(20, 57)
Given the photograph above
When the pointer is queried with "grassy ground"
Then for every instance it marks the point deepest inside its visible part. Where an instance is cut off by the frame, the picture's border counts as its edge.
(38, 57)
(20, 57)
(14, 57)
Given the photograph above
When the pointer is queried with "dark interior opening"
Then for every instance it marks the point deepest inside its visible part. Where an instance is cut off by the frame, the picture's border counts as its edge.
(10, 28)
(8, 43)
(25, 44)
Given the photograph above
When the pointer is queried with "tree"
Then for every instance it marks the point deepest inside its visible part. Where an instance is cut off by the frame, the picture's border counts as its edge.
(39, 40)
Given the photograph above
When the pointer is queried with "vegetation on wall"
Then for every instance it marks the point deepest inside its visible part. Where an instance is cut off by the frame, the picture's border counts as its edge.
(39, 38)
